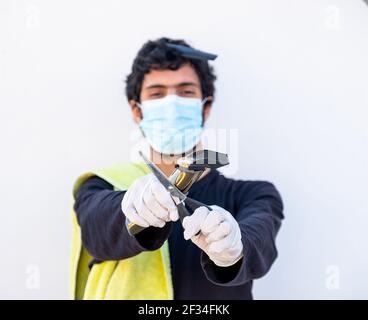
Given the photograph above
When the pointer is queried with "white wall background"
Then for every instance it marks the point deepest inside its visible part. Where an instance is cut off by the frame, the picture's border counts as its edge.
(293, 80)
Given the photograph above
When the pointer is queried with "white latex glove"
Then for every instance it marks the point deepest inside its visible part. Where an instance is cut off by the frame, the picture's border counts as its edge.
(148, 203)
(220, 236)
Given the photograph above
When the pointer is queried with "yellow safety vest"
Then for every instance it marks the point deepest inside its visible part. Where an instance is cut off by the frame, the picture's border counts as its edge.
(146, 276)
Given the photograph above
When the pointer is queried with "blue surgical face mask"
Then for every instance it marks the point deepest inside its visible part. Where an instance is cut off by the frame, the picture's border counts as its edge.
(173, 124)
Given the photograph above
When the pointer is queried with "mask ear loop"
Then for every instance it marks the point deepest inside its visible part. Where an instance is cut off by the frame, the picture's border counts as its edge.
(139, 105)
(203, 102)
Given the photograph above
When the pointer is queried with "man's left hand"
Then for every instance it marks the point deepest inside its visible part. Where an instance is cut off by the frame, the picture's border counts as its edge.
(219, 237)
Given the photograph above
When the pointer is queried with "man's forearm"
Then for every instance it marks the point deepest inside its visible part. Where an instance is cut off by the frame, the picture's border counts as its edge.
(259, 221)
(102, 223)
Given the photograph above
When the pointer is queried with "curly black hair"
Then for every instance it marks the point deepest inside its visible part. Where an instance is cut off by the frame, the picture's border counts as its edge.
(155, 55)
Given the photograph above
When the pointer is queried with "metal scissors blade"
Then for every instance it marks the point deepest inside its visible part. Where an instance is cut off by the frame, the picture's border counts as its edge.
(174, 191)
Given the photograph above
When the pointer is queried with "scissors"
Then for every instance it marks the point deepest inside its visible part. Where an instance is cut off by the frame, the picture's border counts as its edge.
(179, 198)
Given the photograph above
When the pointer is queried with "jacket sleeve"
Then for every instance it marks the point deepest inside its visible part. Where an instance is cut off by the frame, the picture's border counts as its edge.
(258, 210)
(102, 223)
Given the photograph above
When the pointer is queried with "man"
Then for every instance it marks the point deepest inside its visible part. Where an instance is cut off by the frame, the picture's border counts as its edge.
(213, 254)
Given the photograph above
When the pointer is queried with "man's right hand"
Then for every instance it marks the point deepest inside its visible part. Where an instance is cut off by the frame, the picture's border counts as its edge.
(147, 203)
